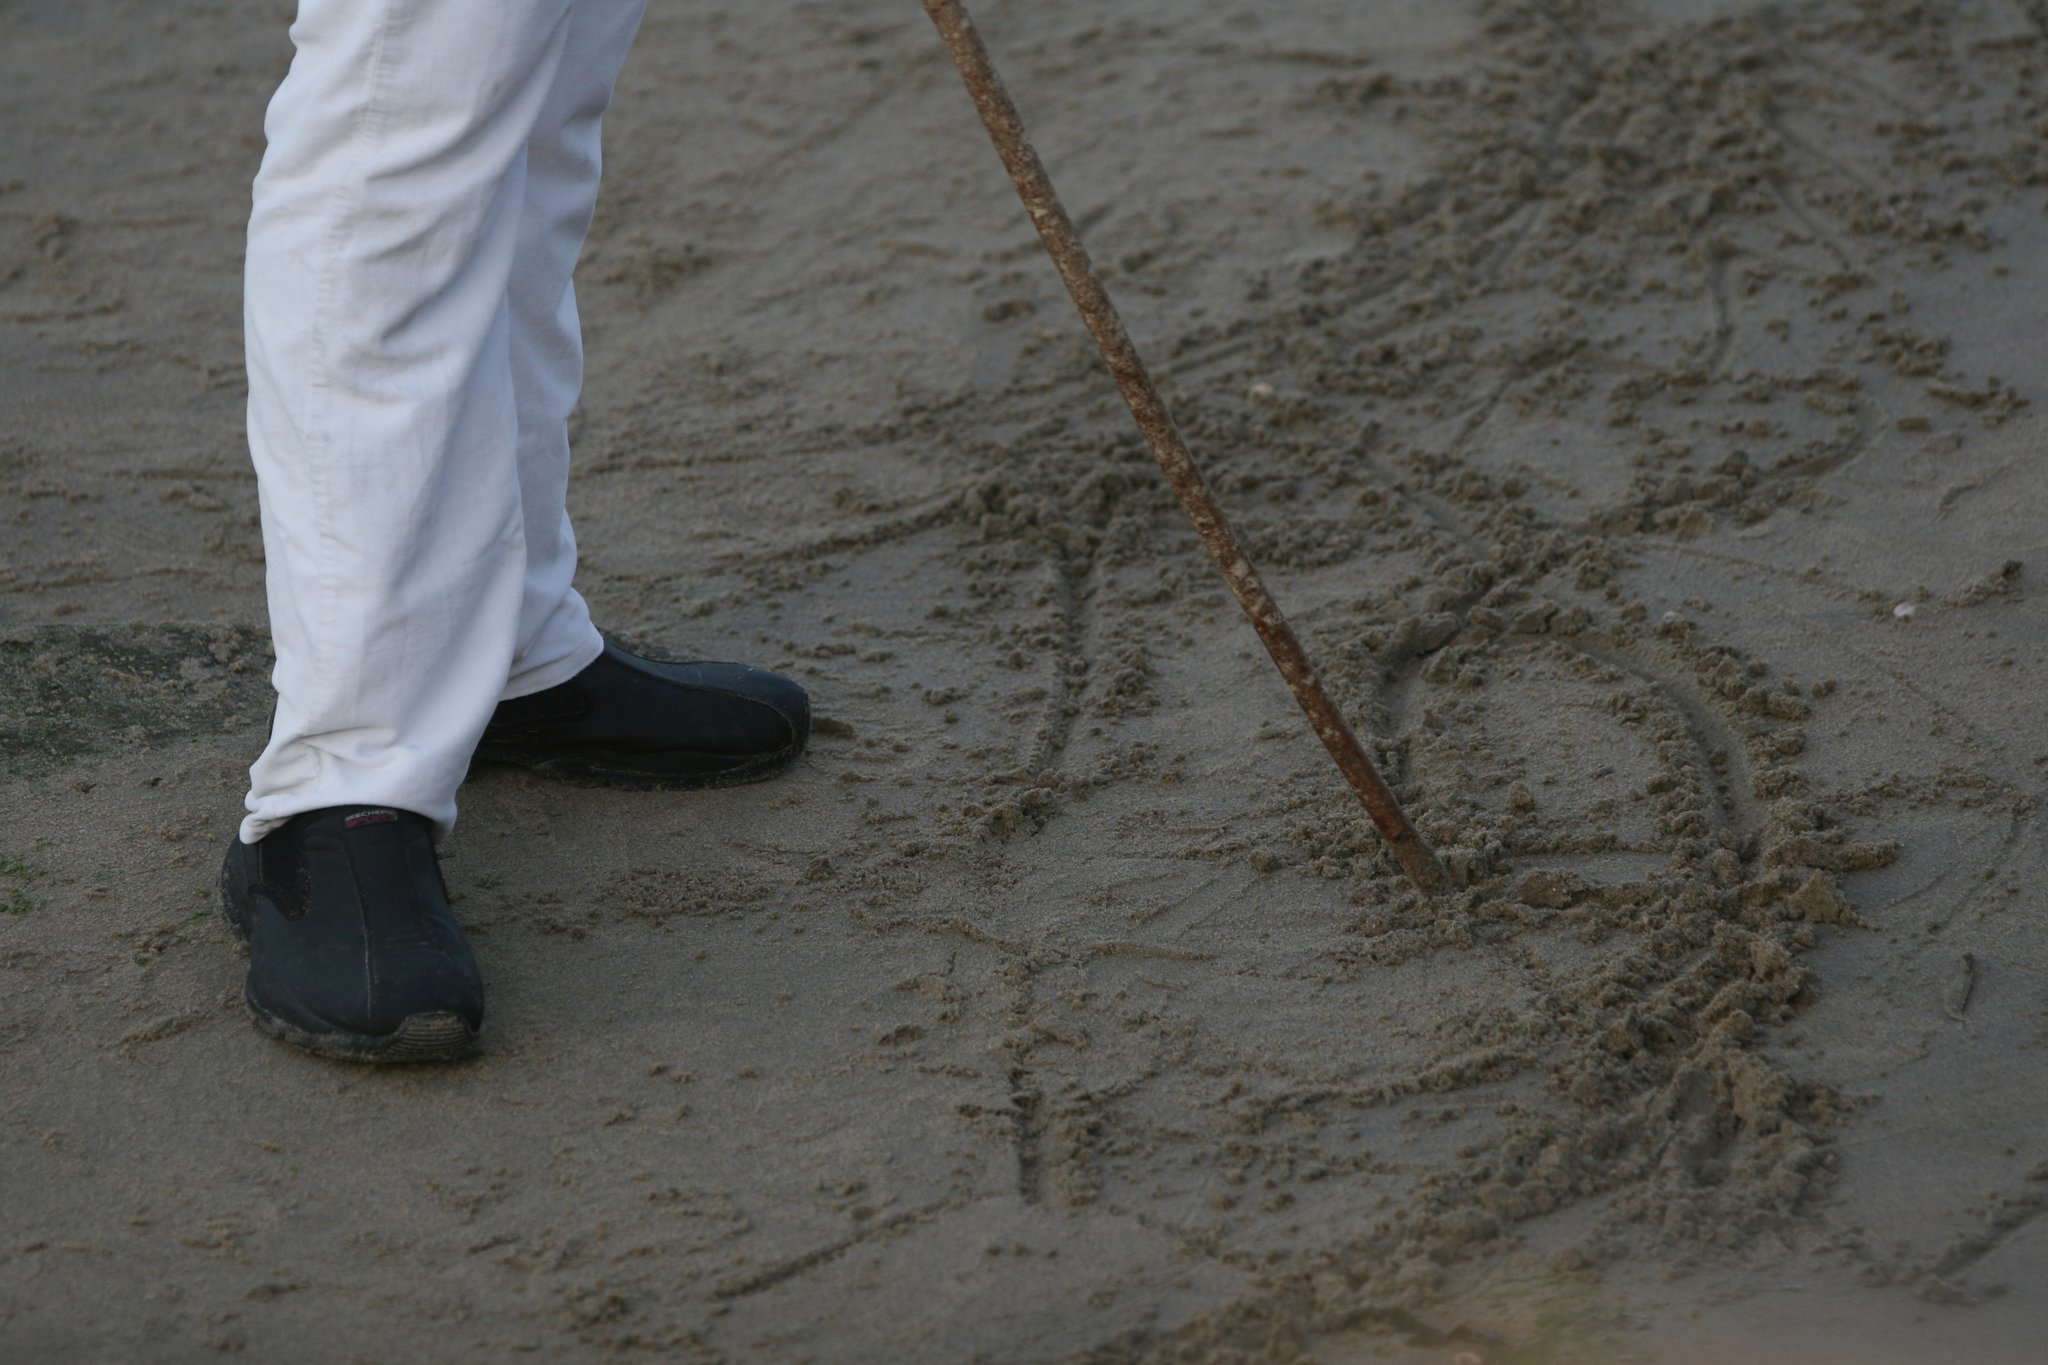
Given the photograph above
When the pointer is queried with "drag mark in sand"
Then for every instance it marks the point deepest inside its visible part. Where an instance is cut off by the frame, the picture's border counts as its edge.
(1027, 1102)
(781, 1272)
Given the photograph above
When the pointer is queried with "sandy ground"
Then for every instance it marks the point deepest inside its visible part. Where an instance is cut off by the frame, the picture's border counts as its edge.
(1639, 408)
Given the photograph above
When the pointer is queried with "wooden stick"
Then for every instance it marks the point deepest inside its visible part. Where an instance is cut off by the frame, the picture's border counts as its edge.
(1000, 116)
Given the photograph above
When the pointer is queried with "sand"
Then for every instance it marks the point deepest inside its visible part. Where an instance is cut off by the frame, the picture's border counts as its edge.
(1637, 406)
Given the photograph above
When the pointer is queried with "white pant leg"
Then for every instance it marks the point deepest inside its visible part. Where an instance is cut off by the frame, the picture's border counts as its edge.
(382, 419)
(556, 638)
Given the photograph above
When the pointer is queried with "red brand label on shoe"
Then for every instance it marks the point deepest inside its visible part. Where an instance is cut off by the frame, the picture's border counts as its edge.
(370, 817)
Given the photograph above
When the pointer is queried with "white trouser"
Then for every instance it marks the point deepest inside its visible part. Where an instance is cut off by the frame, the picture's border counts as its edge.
(414, 353)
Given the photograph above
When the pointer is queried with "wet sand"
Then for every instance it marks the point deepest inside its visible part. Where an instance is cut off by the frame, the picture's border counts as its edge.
(1638, 408)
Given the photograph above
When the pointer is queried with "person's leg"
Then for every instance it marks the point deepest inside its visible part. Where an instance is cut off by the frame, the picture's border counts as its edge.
(556, 639)
(382, 412)
(575, 707)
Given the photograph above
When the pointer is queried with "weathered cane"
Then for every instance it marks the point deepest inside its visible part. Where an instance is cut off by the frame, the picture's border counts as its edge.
(1000, 116)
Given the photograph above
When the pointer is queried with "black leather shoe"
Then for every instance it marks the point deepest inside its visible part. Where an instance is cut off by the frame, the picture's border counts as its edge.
(353, 951)
(630, 722)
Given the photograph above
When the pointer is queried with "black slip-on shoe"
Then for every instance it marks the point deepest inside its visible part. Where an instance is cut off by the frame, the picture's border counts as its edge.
(626, 721)
(353, 951)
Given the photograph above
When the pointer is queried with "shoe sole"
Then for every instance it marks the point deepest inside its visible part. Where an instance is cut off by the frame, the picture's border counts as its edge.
(599, 768)
(421, 1038)
(437, 1037)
